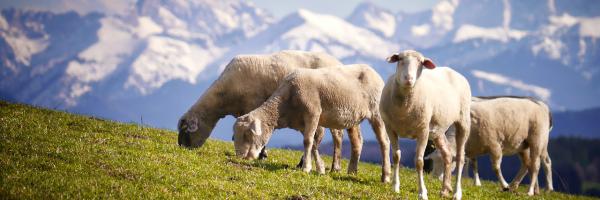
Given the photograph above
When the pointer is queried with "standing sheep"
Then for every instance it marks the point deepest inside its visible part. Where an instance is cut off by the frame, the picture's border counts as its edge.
(422, 104)
(247, 82)
(333, 97)
(508, 125)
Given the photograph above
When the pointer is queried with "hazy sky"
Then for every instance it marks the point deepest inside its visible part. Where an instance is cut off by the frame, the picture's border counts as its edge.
(278, 8)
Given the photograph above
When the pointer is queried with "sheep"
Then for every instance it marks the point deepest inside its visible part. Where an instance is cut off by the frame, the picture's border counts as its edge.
(334, 97)
(437, 162)
(508, 125)
(246, 82)
(421, 104)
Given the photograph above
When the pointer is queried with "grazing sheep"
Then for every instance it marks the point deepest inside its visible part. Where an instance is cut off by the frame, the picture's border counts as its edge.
(437, 162)
(333, 97)
(247, 82)
(422, 104)
(508, 125)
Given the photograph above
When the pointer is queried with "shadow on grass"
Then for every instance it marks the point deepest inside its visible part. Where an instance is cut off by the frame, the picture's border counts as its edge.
(249, 165)
(350, 178)
(270, 166)
(297, 197)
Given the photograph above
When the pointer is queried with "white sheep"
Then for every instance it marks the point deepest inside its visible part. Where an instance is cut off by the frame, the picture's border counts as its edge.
(508, 125)
(333, 97)
(246, 82)
(422, 104)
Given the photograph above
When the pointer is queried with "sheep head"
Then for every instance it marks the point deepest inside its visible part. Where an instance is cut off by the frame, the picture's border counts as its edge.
(193, 131)
(409, 66)
(250, 136)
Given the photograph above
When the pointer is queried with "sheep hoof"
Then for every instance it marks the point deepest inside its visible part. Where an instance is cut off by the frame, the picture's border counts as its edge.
(385, 179)
(352, 171)
(423, 196)
(457, 195)
(445, 193)
(321, 170)
(505, 189)
(336, 169)
(306, 169)
(513, 188)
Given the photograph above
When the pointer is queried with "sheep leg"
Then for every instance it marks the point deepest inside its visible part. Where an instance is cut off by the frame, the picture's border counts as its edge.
(547, 164)
(310, 127)
(301, 163)
(263, 154)
(338, 136)
(438, 165)
(534, 167)
(357, 141)
(524, 157)
(462, 134)
(496, 158)
(419, 162)
(315, 151)
(475, 167)
(393, 137)
(384, 146)
(442, 145)
(465, 169)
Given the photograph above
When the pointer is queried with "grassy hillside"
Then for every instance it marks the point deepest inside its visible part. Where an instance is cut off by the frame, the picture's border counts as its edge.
(50, 154)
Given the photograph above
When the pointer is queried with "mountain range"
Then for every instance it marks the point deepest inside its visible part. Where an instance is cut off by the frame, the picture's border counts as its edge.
(150, 64)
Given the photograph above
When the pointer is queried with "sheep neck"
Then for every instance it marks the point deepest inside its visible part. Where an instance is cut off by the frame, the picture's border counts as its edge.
(209, 109)
(406, 96)
(207, 115)
(271, 111)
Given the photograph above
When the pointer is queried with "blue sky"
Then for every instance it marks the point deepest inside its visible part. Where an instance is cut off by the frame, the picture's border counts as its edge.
(278, 8)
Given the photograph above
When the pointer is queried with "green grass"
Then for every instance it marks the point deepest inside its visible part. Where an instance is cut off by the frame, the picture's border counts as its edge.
(49, 154)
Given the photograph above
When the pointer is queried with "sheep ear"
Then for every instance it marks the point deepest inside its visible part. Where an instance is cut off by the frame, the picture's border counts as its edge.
(393, 58)
(255, 127)
(428, 64)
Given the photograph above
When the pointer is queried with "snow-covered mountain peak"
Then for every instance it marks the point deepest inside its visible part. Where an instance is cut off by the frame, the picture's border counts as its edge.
(216, 19)
(468, 32)
(3, 23)
(26, 39)
(563, 20)
(166, 59)
(540, 92)
(320, 32)
(162, 41)
(374, 18)
(442, 14)
(560, 26)
(116, 41)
